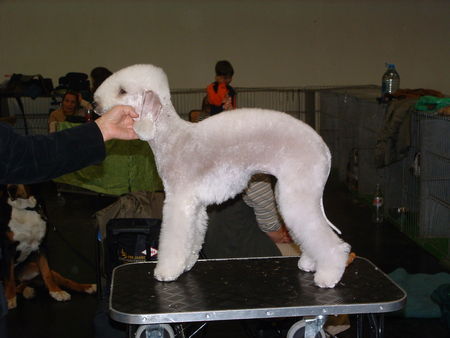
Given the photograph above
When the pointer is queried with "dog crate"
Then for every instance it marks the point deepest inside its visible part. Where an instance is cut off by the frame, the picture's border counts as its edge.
(33, 119)
(416, 188)
(350, 119)
(288, 100)
(424, 213)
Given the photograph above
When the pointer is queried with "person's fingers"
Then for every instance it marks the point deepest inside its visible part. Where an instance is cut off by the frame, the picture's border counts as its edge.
(128, 110)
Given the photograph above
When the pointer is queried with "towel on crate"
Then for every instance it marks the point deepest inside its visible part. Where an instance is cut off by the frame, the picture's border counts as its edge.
(419, 288)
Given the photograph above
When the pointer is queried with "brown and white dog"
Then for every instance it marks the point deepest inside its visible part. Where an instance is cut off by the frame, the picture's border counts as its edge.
(24, 231)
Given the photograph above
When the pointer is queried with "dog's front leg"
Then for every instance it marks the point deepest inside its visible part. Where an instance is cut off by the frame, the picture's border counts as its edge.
(198, 235)
(178, 242)
(54, 290)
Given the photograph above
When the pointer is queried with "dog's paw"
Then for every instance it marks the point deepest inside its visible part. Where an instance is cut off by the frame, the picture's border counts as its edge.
(328, 278)
(91, 289)
(60, 296)
(191, 262)
(306, 263)
(28, 293)
(166, 274)
(12, 303)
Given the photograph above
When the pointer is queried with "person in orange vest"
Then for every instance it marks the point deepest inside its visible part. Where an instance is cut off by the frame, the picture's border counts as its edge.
(221, 96)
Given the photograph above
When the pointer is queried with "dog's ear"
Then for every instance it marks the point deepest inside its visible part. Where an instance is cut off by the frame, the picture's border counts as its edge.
(151, 105)
(150, 110)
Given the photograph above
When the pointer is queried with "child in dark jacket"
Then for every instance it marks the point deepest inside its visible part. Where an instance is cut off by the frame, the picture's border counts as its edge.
(221, 96)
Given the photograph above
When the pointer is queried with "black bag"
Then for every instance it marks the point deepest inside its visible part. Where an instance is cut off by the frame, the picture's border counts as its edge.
(130, 240)
(33, 86)
(75, 81)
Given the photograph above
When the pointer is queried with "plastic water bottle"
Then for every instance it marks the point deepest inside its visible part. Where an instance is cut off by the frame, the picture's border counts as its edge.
(89, 116)
(390, 82)
(377, 206)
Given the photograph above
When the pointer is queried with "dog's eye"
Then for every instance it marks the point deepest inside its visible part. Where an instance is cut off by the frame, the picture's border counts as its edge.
(122, 91)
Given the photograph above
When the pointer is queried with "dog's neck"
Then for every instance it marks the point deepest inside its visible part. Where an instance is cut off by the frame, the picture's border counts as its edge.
(168, 126)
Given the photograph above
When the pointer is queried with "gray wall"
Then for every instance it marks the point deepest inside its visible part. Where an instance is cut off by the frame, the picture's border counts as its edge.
(269, 42)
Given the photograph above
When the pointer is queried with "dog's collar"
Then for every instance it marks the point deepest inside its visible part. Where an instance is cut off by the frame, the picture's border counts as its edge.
(32, 209)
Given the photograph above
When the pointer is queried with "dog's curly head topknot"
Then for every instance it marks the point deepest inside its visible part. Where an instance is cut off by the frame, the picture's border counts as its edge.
(130, 83)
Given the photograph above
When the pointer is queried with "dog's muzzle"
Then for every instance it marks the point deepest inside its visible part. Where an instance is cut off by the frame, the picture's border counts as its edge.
(96, 108)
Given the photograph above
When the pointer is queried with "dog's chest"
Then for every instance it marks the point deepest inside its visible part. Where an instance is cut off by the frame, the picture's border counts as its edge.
(28, 228)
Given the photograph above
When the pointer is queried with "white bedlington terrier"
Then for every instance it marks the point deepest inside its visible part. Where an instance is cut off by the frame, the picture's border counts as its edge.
(211, 161)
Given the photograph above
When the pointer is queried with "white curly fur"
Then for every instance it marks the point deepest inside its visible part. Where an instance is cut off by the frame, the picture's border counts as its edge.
(212, 161)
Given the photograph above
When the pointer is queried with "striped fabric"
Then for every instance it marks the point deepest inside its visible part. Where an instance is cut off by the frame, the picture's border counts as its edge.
(259, 196)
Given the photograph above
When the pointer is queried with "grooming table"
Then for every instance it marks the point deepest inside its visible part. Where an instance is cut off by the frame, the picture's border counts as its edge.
(233, 289)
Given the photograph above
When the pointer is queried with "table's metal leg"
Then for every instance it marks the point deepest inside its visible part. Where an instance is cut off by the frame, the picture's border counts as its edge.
(359, 326)
(314, 326)
(381, 325)
(198, 330)
(376, 324)
(161, 330)
(130, 330)
(155, 331)
(311, 326)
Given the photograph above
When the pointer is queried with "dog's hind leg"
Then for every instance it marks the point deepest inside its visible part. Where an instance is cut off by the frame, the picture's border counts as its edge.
(54, 290)
(323, 251)
(179, 239)
(72, 285)
(27, 291)
(27, 273)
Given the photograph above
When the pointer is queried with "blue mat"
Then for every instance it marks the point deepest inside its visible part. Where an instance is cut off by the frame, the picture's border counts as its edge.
(419, 288)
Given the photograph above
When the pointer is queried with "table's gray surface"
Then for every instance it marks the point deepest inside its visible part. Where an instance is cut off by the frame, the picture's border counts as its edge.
(245, 289)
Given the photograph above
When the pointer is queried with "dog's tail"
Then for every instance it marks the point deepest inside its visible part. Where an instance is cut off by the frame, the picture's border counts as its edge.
(332, 226)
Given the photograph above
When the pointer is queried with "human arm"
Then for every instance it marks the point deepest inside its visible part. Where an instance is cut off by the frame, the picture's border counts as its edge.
(118, 123)
(280, 236)
(259, 195)
(31, 159)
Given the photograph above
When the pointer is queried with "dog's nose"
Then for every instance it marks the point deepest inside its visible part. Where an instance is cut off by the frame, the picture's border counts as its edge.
(94, 107)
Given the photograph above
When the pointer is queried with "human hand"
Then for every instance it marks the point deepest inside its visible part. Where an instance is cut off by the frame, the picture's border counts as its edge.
(280, 236)
(227, 104)
(118, 123)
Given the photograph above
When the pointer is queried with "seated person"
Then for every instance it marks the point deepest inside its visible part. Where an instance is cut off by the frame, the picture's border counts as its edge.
(233, 232)
(199, 115)
(70, 110)
(248, 225)
(221, 96)
(259, 196)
